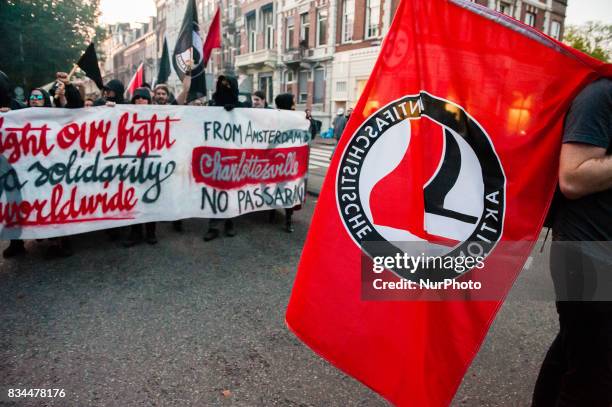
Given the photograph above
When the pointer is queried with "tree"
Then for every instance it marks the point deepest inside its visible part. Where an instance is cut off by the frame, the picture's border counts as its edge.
(593, 38)
(41, 37)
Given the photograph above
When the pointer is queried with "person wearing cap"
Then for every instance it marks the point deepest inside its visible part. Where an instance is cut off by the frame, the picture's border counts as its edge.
(142, 96)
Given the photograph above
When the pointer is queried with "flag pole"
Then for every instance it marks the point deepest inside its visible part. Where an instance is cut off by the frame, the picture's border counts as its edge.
(74, 68)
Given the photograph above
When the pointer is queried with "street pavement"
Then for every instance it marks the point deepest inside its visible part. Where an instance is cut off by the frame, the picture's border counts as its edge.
(193, 323)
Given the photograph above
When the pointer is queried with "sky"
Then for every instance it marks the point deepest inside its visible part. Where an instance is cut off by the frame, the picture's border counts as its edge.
(126, 11)
(113, 11)
(581, 11)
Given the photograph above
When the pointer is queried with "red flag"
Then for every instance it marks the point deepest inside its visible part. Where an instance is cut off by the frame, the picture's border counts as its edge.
(136, 81)
(213, 38)
(454, 144)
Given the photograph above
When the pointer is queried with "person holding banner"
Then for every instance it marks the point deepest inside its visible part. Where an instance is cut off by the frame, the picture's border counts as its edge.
(285, 102)
(39, 98)
(7, 103)
(226, 95)
(112, 93)
(142, 96)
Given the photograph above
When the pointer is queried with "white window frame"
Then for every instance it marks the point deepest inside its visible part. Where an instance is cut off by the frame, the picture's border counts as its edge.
(555, 33)
(372, 30)
(251, 33)
(290, 28)
(348, 20)
(302, 100)
(268, 28)
(530, 18)
(303, 36)
(505, 8)
(320, 20)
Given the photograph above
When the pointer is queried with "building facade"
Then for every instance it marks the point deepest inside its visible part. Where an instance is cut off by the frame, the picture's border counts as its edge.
(322, 51)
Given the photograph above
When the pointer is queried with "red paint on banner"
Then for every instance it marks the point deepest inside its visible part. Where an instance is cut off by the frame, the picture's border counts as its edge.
(227, 168)
(70, 208)
(23, 141)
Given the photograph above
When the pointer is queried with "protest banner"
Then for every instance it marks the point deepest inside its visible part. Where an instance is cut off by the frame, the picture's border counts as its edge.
(71, 171)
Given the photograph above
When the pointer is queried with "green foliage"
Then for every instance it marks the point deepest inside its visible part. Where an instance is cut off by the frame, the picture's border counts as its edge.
(41, 37)
(593, 38)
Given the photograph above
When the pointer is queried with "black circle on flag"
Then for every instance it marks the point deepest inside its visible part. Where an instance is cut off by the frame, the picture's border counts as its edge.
(422, 170)
(189, 48)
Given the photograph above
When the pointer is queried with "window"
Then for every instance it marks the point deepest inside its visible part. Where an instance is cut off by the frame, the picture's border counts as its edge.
(341, 86)
(304, 28)
(318, 95)
(504, 8)
(265, 84)
(372, 18)
(268, 24)
(348, 17)
(555, 30)
(530, 19)
(290, 33)
(251, 32)
(321, 27)
(288, 76)
(302, 86)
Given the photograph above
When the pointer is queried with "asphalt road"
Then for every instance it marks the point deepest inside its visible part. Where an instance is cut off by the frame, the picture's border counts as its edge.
(189, 323)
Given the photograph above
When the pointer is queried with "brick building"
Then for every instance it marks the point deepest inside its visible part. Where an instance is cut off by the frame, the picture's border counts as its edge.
(322, 51)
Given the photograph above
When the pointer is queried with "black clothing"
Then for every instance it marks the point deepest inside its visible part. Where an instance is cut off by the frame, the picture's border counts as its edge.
(577, 370)
(141, 93)
(116, 86)
(589, 121)
(284, 101)
(225, 96)
(73, 97)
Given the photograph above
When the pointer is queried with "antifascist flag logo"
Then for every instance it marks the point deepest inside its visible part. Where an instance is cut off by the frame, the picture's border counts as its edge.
(189, 48)
(441, 182)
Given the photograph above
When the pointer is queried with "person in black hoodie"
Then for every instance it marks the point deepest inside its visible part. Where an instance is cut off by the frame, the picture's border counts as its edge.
(112, 93)
(226, 95)
(7, 103)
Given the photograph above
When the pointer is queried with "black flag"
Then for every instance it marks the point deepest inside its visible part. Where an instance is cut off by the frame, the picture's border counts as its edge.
(188, 47)
(164, 65)
(89, 63)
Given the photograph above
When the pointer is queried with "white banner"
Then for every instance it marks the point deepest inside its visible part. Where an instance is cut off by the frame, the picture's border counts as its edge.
(68, 171)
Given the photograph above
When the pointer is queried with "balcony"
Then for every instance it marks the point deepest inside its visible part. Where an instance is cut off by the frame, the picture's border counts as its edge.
(299, 56)
(257, 59)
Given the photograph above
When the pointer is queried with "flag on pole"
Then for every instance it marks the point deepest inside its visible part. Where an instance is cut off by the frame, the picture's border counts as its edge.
(89, 64)
(213, 38)
(187, 57)
(452, 148)
(136, 81)
(164, 65)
